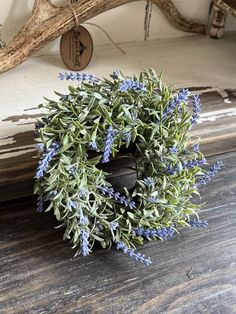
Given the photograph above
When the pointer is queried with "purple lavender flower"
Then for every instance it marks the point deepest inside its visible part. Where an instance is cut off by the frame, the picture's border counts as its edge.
(63, 97)
(182, 96)
(84, 236)
(40, 204)
(186, 165)
(149, 181)
(77, 77)
(195, 148)
(196, 109)
(162, 159)
(132, 85)
(93, 145)
(198, 223)
(72, 204)
(134, 116)
(114, 225)
(109, 138)
(83, 219)
(83, 192)
(162, 233)
(39, 125)
(152, 199)
(133, 253)
(117, 197)
(72, 170)
(173, 150)
(127, 137)
(51, 194)
(115, 75)
(47, 157)
(211, 173)
(193, 163)
(40, 147)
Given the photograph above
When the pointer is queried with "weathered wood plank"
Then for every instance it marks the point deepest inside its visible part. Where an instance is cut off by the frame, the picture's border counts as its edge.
(191, 273)
(217, 129)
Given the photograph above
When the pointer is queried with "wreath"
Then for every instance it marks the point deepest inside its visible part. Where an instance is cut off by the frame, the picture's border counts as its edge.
(139, 119)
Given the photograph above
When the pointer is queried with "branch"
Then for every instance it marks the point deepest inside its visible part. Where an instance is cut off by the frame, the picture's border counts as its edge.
(48, 22)
(226, 6)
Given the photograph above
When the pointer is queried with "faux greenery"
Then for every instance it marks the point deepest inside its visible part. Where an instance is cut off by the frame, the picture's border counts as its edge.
(100, 119)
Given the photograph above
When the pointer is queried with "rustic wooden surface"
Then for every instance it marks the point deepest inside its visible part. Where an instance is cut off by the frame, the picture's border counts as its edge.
(191, 273)
(217, 131)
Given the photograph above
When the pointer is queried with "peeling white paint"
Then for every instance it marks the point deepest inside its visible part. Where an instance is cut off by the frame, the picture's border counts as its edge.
(8, 150)
(6, 141)
(215, 115)
(222, 93)
(14, 154)
(227, 101)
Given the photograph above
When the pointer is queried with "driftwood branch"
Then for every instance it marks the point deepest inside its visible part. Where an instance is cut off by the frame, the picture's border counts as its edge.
(216, 23)
(226, 6)
(48, 22)
(217, 17)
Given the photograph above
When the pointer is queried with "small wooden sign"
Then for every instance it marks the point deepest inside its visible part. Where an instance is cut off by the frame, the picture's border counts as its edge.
(76, 48)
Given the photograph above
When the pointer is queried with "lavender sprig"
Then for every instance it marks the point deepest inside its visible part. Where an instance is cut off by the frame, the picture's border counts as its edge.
(186, 165)
(198, 223)
(133, 253)
(72, 204)
(149, 181)
(195, 148)
(211, 173)
(117, 196)
(196, 109)
(51, 194)
(153, 199)
(162, 233)
(173, 150)
(108, 140)
(83, 192)
(127, 137)
(77, 77)
(114, 225)
(72, 170)
(84, 236)
(83, 219)
(193, 163)
(93, 145)
(40, 203)
(115, 75)
(182, 96)
(40, 147)
(132, 85)
(47, 157)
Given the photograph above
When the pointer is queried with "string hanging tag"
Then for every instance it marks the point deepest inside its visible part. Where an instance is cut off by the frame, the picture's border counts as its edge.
(76, 46)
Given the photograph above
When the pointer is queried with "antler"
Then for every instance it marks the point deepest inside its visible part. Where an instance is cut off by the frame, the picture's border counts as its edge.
(48, 21)
(226, 6)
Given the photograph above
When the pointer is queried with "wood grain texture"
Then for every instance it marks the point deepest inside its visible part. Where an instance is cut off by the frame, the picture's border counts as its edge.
(191, 273)
(217, 129)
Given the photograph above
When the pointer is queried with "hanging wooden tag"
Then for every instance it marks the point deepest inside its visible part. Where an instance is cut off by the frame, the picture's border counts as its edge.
(76, 48)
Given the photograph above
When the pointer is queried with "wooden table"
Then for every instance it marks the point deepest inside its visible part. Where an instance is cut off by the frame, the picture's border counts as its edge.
(191, 273)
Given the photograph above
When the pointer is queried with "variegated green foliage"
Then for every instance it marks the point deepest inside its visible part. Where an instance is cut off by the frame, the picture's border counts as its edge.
(157, 142)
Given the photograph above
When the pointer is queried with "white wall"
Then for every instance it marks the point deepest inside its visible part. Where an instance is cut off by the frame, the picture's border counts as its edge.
(124, 23)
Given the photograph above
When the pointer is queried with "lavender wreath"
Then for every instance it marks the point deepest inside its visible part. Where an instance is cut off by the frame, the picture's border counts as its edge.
(143, 117)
